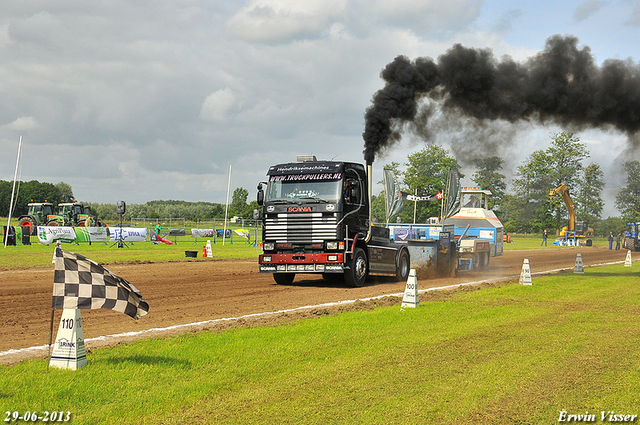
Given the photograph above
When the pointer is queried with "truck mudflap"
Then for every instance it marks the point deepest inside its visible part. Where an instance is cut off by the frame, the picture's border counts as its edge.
(302, 263)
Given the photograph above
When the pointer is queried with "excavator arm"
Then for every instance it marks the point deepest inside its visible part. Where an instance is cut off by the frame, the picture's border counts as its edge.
(564, 191)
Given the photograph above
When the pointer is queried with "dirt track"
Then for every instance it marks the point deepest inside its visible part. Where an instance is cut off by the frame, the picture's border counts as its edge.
(196, 290)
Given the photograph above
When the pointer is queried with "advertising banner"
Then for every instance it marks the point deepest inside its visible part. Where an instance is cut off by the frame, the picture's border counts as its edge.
(92, 234)
(177, 232)
(203, 233)
(49, 234)
(128, 234)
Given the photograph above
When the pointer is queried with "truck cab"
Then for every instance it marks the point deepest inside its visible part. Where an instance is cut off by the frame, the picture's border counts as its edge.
(315, 217)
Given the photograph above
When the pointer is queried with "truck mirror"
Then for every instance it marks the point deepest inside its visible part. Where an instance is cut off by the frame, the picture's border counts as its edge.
(260, 197)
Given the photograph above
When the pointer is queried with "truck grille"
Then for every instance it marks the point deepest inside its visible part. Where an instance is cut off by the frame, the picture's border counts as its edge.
(301, 227)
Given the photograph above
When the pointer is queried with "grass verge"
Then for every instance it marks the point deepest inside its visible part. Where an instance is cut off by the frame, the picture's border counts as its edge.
(508, 354)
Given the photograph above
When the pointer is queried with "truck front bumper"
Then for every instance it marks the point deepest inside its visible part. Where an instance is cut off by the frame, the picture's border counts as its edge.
(302, 263)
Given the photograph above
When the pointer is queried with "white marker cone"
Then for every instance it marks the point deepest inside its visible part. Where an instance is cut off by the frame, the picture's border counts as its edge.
(628, 262)
(69, 351)
(525, 274)
(209, 250)
(411, 298)
(579, 267)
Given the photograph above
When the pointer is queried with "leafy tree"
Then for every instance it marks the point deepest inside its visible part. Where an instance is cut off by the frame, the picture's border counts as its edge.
(488, 177)
(238, 205)
(628, 198)
(66, 193)
(26, 192)
(378, 212)
(610, 224)
(531, 200)
(426, 174)
(589, 203)
(546, 170)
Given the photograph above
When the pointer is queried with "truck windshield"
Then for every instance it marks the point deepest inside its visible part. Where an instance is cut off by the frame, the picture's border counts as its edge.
(300, 187)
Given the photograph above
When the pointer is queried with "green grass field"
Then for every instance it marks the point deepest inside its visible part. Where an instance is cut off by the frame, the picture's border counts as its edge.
(506, 354)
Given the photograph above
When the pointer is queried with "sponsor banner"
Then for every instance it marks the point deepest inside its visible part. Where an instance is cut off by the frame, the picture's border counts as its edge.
(203, 233)
(128, 234)
(49, 234)
(177, 232)
(92, 234)
(414, 198)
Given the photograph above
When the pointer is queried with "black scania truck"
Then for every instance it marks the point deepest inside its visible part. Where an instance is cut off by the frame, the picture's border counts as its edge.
(316, 218)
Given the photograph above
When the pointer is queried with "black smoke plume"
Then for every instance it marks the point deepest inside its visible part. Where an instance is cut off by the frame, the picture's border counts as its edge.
(562, 84)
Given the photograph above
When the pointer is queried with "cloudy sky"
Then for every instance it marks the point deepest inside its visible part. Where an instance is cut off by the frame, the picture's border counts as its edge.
(147, 100)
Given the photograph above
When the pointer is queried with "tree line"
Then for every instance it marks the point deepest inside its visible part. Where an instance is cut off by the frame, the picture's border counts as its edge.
(35, 191)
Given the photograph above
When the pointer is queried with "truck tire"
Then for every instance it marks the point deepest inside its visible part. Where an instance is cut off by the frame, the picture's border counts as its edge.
(402, 268)
(358, 269)
(284, 278)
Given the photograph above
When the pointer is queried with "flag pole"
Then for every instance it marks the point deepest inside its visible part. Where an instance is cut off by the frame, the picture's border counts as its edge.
(50, 337)
(386, 196)
(415, 205)
(445, 197)
(15, 177)
(224, 232)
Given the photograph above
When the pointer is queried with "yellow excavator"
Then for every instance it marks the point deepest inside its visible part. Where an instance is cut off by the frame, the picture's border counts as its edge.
(576, 229)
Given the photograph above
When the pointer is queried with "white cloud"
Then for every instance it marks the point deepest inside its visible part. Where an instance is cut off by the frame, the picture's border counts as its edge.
(634, 19)
(279, 20)
(21, 124)
(428, 16)
(586, 9)
(217, 105)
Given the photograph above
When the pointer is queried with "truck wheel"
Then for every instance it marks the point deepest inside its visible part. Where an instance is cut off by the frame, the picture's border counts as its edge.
(402, 268)
(284, 278)
(358, 269)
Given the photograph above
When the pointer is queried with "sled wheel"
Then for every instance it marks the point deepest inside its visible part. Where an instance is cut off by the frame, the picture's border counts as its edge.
(402, 269)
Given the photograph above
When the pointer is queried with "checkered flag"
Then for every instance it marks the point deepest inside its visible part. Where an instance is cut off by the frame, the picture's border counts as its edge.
(82, 283)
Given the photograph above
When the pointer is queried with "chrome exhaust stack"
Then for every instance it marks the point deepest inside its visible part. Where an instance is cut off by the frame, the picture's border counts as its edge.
(369, 191)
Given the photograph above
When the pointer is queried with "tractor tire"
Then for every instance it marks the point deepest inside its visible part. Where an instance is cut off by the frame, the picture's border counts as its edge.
(284, 278)
(28, 221)
(403, 266)
(53, 223)
(358, 269)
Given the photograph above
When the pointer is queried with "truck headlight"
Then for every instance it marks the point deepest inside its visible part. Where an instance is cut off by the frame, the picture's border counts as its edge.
(268, 246)
(266, 259)
(332, 245)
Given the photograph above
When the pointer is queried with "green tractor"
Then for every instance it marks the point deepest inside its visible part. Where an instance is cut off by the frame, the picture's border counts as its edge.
(39, 215)
(74, 214)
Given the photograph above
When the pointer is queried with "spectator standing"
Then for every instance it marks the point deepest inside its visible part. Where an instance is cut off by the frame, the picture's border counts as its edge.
(610, 240)
(618, 241)
(544, 237)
